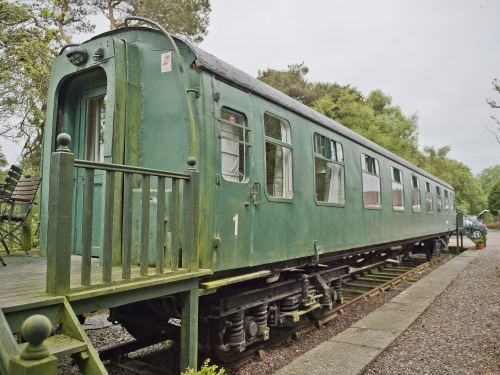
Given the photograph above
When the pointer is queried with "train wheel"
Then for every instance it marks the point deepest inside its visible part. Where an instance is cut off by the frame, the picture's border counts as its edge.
(233, 334)
(227, 338)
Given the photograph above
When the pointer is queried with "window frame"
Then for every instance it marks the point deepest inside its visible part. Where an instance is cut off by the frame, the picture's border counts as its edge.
(399, 182)
(283, 144)
(447, 208)
(428, 193)
(371, 170)
(341, 163)
(439, 201)
(414, 188)
(245, 142)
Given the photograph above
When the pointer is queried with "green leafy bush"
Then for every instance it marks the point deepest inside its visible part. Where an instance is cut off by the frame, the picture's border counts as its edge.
(206, 370)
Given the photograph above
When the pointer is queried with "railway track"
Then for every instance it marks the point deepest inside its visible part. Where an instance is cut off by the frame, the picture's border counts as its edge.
(360, 285)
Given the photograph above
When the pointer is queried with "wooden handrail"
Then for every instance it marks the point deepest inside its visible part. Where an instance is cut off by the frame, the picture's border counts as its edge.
(129, 168)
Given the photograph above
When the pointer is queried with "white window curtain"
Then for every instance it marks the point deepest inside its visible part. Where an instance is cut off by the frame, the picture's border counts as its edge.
(283, 184)
(230, 152)
(336, 190)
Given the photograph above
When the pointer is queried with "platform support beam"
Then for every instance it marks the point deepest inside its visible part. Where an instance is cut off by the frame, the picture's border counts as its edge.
(189, 328)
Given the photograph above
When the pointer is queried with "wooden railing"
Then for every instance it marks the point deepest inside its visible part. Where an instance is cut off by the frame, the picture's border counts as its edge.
(182, 255)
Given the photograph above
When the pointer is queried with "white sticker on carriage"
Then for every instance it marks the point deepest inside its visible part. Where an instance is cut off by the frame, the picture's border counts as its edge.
(166, 62)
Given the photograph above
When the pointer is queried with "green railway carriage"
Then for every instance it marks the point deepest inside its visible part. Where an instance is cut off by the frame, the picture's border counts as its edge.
(281, 186)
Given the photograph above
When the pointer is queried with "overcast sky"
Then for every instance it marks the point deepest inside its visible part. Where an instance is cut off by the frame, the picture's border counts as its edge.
(436, 58)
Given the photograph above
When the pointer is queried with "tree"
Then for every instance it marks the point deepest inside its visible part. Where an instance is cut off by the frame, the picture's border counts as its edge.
(3, 159)
(470, 197)
(31, 34)
(374, 118)
(70, 16)
(292, 82)
(27, 46)
(494, 197)
(488, 177)
(187, 18)
(494, 104)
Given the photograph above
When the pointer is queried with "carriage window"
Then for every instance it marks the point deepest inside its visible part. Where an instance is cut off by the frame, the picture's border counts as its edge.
(233, 145)
(439, 200)
(371, 182)
(278, 157)
(446, 202)
(94, 130)
(328, 170)
(398, 201)
(415, 194)
(428, 197)
(452, 202)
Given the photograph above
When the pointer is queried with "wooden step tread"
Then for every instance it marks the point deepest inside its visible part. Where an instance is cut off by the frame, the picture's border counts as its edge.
(62, 345)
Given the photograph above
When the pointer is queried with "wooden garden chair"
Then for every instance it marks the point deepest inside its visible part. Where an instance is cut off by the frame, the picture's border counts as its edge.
(8, 186)
(6, 189)
(12, 217)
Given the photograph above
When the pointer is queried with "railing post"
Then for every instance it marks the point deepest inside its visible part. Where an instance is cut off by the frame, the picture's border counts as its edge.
(60, 218)
(190, 243)
(35, 358)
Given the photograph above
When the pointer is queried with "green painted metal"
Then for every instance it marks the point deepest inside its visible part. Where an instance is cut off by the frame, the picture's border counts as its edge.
(234, 219)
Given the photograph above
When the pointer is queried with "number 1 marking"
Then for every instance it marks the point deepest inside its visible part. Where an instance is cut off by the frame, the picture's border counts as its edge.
(235, 219)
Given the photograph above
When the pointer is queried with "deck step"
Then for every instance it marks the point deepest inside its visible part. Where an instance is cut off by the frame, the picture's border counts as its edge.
(62, 345)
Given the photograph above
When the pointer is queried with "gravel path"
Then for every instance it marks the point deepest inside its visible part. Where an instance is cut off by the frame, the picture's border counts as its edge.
(460, 332)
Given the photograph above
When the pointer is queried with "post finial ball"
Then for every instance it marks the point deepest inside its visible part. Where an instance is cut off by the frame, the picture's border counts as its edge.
(36, 328)
(191, 161)
(63, 140)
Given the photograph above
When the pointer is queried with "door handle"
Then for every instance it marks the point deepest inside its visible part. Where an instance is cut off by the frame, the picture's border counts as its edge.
(255, 193)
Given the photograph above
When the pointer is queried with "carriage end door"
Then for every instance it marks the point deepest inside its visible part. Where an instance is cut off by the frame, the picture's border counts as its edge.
(89, 145)
(235, 175)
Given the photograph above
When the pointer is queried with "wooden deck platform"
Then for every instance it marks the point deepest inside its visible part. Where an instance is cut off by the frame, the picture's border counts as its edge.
(23, 283)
